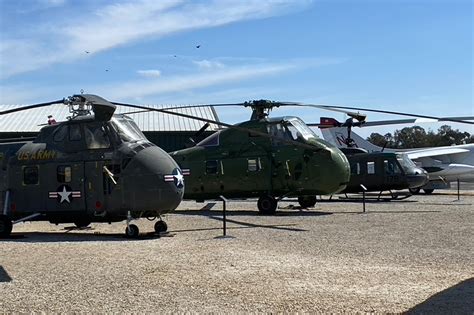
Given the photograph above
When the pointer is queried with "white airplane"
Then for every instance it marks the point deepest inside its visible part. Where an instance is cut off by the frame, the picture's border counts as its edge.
(444, 164)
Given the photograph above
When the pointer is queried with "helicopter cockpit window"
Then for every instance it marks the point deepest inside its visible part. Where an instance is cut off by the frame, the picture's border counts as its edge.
(30, 175)
(96, 137)
(75, 133)
(60, 133)
(64, 174)
(126, 129)
(211, 141)
(299, 130)
(405, 161)
(391, 167)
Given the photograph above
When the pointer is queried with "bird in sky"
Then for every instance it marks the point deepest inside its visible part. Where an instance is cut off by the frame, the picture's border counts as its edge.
(198, 46)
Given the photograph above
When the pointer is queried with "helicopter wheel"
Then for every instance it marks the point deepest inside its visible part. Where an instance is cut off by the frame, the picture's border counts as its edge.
(132, 231)
(428, 191)
(161, 226)
(267, 205)
(5, 225)
(307, 201)
(414, 191)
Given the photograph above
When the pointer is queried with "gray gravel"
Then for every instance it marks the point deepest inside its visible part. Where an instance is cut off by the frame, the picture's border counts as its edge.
(412, 255)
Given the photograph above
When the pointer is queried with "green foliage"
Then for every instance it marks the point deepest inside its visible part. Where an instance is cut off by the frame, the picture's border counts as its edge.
(417, 137)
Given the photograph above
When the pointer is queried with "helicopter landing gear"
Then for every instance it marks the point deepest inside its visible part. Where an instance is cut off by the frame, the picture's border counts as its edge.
(428, 191)
(5, 225)
(267, 204)
(161, 226)
(414, 191)
(307, 201)
(82, 223)
(131, 231)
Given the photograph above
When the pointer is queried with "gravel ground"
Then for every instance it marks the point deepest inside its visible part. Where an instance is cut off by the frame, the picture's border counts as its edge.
(414, 255)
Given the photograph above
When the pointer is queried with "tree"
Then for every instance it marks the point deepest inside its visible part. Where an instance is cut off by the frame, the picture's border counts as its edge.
(417, 137)
(411, 137)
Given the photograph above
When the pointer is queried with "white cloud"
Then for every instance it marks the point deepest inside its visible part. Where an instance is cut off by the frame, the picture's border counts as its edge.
(139, 89)
(52, 3)
(209, 64)
(120, 24)
(149, 73)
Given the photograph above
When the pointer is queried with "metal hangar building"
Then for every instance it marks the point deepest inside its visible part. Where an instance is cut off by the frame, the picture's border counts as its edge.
(167, 131)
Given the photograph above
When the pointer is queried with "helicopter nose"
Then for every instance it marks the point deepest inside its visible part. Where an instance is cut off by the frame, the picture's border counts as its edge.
(335, 175)
(154, 180)
(418, 179)
(341, 170)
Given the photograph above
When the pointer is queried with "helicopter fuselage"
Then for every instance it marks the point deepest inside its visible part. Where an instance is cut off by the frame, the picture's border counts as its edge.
(379, 171)
(237, 164)
(84, 170)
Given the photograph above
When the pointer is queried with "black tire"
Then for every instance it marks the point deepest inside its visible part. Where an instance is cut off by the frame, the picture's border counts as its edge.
(82, 223)
(161, 226)
(307, 201)
(5, 225)
(414, 191)
(267, 205)
(132, 231)
(428, 191)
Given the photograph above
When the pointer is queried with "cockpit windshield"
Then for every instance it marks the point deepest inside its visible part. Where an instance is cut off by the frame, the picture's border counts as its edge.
(126, 129)
(405, 161)
(292, 129)
(299, 129)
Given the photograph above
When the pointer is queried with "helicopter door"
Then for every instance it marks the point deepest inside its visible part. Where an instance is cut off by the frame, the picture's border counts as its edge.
(94, 186)
(372, 174)
(65, 186)
(392, 173)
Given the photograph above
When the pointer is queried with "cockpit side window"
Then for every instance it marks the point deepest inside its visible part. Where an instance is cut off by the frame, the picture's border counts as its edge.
(211, 141)
(75, 132)
(391, 167)
(96, 137)
(60, 133)
(278, 131)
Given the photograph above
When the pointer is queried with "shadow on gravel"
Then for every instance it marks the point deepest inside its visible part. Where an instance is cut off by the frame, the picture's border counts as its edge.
(51, 237)
(458, 299)
(4, 277)
(297, 213)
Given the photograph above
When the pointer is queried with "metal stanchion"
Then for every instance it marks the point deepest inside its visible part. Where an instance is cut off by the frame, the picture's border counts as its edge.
(224, 220)
(364, 189)
(458, 190)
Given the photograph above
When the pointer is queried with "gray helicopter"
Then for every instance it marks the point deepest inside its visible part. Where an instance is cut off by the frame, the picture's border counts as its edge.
(94, 167)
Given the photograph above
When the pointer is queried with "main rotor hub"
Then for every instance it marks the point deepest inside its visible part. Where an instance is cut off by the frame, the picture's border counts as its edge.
(78, 105)
(261, 108)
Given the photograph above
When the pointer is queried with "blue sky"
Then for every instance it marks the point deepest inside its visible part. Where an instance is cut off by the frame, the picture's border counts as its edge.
(412, 56)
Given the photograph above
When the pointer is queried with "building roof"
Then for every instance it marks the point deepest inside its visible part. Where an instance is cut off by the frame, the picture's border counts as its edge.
(34, 119)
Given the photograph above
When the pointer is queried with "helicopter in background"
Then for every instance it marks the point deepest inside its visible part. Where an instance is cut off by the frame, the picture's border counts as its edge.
(264, 158)
(443, 164)
(375, 171)
(94, 167)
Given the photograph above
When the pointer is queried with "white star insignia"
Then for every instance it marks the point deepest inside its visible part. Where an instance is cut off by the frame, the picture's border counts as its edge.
(64, 195)
(179, 179)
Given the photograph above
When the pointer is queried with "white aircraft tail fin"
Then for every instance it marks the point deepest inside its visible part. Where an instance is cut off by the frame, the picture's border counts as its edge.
(338, 136)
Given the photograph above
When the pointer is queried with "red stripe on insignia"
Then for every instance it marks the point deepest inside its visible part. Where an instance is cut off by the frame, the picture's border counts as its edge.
(186, 172)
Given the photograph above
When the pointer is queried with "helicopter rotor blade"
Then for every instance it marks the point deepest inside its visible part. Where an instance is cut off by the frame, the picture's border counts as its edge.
(180, 107)
(338, 108)
(393, 122)
(219, 123)
(27, 107)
